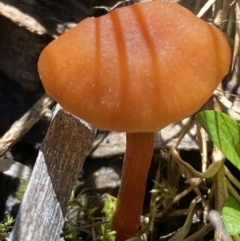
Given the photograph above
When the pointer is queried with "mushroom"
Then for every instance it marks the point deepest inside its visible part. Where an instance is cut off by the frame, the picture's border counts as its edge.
(136, 69)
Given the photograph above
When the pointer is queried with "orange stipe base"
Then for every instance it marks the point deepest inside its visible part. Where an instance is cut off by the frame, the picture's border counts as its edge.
(137, 160)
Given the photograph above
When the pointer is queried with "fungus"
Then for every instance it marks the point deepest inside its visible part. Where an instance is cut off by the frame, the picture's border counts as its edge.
(136, 69)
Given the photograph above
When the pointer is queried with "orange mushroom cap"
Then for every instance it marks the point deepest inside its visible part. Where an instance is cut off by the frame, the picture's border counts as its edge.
(136, 69)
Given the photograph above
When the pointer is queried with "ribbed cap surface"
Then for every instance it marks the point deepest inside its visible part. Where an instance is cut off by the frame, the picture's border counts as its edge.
(136, 69)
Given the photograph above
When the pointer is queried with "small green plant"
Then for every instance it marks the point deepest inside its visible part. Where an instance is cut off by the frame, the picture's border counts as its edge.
(80, 216)
(165, 193)
(225, 134)
(4, 228)
(147, 226)
(87, 219)
(108, 211)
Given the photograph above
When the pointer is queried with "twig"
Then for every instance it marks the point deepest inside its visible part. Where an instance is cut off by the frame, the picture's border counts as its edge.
(204, 9)
(179, 196)
(183, 231)
(52, 18)
(210, 172)
(230, 176)
(200, 233)
(237, 33)
(232, 190)
(24, 124)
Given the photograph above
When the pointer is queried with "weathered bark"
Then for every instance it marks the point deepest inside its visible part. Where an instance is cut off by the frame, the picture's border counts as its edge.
(66, 145)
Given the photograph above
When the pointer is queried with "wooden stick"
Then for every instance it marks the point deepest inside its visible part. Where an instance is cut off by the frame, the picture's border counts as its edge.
(66, 145)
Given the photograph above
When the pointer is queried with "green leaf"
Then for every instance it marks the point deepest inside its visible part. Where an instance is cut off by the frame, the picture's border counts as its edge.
(224, 132)
(231, 216)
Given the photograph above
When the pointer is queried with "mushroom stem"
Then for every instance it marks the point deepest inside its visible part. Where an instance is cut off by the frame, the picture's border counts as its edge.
(137, 160)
